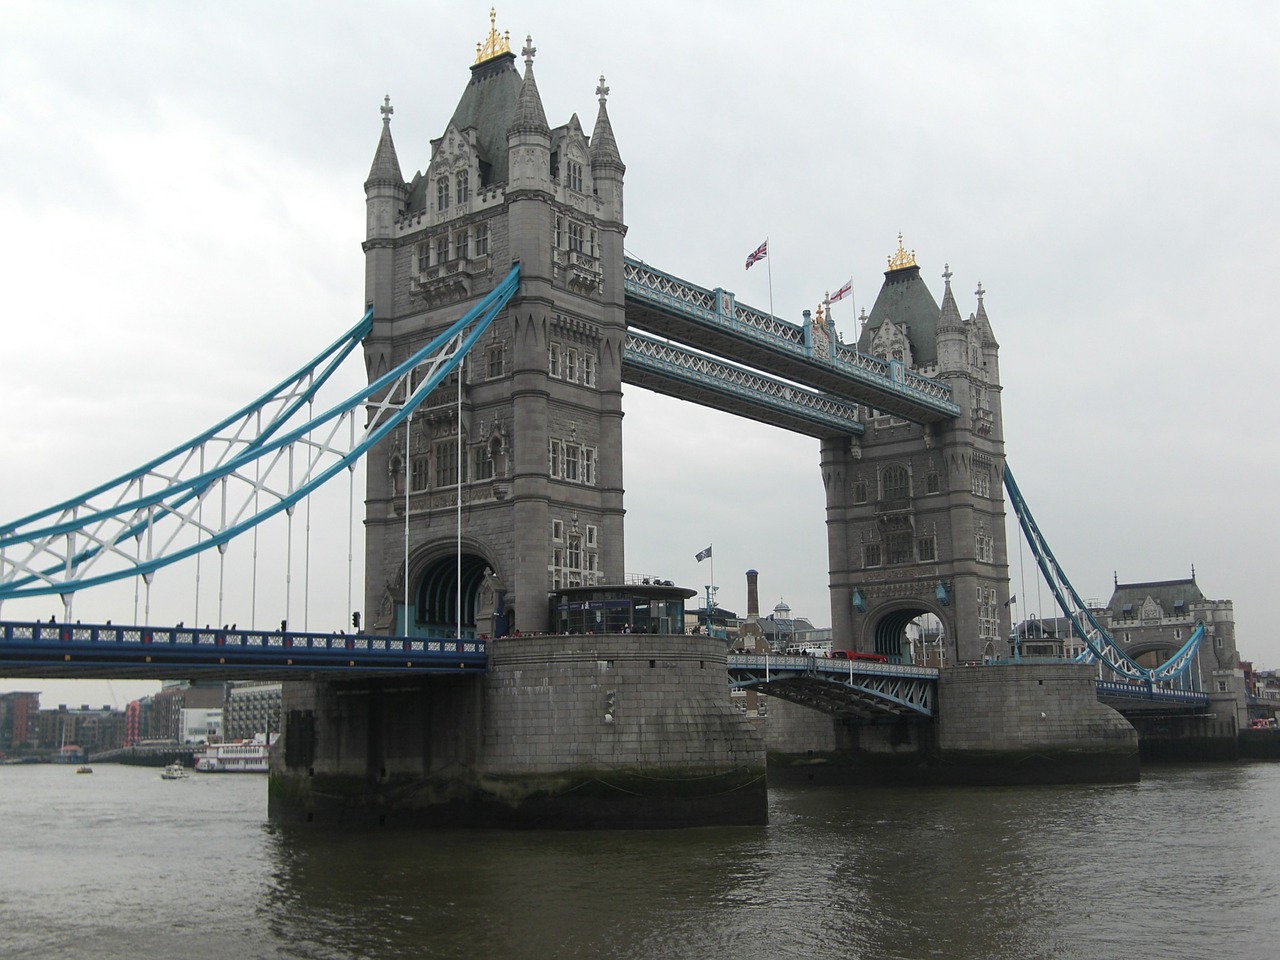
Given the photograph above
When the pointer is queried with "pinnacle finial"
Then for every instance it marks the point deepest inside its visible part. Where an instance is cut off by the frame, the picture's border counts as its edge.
(602, 91)
(529, 50)
(386, 109)
(902, 258)
(947, 274)
(494, 44)
(979, 292)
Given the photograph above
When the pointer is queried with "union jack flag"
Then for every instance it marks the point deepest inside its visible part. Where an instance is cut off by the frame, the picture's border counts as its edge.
(842, 292)
(760, 253)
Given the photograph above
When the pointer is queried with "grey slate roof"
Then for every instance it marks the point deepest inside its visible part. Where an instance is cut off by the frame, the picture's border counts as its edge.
(489, 105)
(904, 298)
(1167, 593)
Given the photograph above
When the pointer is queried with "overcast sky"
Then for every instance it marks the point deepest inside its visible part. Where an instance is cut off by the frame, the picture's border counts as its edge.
(181, 211)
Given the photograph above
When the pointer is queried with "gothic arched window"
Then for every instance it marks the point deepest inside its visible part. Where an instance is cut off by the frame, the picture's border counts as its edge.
(463, 181)
(442, 193)
(895, 483)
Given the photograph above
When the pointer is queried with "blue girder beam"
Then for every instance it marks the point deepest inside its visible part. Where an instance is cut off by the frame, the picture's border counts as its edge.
(672, 370)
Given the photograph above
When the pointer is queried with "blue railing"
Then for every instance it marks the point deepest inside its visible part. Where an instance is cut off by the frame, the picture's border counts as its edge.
(96, 645)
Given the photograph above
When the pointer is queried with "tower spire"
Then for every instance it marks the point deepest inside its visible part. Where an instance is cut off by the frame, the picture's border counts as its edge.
(604, 148)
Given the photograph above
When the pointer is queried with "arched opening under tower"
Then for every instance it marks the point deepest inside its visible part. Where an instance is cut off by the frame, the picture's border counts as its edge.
(911, 634)
(436, 610)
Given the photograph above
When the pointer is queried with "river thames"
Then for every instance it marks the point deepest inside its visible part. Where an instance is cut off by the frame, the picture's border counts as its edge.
(122, 864)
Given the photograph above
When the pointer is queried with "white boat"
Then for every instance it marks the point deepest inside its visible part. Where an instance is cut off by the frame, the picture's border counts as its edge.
(242, 756)
(174, 771)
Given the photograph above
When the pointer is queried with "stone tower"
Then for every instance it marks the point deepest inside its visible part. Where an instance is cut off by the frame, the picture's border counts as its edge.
(915, 513)
(534, 500)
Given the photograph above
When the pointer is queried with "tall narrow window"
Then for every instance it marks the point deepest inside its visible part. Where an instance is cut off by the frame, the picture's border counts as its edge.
(482, 239)
(553, 359)
(418, 474)
(571, 365)
(575, 236)
(571, 461)
(589, 369)
(424, 257)
(559, 233)
(463, 181)
(495, 362)
(575, 175)
(446, 463)
(461, 245)
(442, 193)
(442, 248)
(589, 469)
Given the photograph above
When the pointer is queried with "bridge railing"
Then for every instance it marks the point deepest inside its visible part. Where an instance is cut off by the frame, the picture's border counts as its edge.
(104, 638)
(792, 662)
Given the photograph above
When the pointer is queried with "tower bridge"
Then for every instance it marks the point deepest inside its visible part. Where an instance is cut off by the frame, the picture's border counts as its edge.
(503, 322)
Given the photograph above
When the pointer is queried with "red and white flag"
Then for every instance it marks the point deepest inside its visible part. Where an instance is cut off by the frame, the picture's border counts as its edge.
(760, 253)
(842, 292)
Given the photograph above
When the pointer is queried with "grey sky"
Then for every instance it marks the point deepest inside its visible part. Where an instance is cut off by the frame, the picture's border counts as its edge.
(181, 214)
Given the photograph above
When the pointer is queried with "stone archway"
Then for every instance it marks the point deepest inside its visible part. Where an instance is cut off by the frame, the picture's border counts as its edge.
(436, 612)
(886, 631)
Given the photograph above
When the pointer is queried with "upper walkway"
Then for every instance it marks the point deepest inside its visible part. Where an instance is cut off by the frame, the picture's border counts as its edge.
(714, 322)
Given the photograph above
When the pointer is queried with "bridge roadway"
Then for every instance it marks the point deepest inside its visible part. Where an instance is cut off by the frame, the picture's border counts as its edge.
(856, 690)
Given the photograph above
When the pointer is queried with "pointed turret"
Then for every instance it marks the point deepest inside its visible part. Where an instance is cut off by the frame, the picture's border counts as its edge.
(951, 331)
(385, 196)
(528, 135)
(386, 165)
(529, 117)
(990, 348)
(607, 168)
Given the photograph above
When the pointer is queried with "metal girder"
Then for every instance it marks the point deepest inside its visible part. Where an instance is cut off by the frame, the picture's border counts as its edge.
(1101, 646)
(676, 372)
(712, 321)
(255, 464)
(862, 692)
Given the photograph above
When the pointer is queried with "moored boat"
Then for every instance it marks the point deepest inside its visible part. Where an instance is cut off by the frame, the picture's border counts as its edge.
(242, 756)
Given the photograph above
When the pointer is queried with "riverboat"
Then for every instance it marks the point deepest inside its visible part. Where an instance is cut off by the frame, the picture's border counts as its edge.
(242, 756)
(174, 771)
(85, 769)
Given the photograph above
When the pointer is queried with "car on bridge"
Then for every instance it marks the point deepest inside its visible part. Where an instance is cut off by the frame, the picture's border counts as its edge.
(858, 655)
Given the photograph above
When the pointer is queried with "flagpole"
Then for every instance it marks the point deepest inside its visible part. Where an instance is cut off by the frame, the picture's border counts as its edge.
(768, 263)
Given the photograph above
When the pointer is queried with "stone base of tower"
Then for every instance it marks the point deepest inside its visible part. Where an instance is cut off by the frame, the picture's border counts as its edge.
(997, 725)
(582, 731)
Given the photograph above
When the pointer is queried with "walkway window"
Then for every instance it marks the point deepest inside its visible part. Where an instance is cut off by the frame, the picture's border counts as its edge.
(896, 483)
(442, 193)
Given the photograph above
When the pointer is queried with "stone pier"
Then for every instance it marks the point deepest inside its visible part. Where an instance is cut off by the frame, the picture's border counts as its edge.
(580, 731)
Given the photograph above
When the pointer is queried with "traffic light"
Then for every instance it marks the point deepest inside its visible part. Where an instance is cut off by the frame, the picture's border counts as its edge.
(355, 620)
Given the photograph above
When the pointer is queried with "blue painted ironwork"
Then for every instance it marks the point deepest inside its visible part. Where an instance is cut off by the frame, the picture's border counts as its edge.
(863, 691)
(922, 398)
(667, 368)
(104, 650)
(1101, 647)
(1148, 693)
(242, 460)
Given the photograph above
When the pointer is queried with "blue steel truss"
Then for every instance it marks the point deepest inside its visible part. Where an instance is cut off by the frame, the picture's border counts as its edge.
(158, 653)
(1100, 646)
(704, 316)
(672, 370)
(255, 464)
(862, 692)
